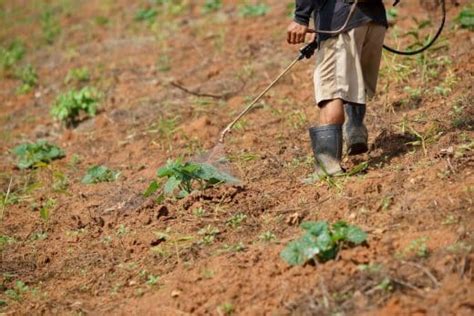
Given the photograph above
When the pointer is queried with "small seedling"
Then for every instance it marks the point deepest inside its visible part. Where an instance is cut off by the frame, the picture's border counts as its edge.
(45, 209)
(199, 212)
(267, 236)
(68, 106)
(122, 230)
(226, 309)
(183, 177)
(152, 280)
(209, 234)
(32, 155)
(236, 220)
(98, 174)
(321, 242)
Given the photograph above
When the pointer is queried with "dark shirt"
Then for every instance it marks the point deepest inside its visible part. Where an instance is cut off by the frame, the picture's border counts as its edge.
(331, 15)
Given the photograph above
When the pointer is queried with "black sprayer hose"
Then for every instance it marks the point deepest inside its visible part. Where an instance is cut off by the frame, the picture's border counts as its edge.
(427, 46)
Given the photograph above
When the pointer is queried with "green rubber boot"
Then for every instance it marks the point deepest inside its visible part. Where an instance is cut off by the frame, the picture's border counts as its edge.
(355, 132)
(326, 142)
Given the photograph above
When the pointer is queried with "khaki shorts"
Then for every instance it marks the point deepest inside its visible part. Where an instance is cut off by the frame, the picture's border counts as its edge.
(347, 66)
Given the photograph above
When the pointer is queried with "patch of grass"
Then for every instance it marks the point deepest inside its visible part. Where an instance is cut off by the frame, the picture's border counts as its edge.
(35, 154)
(28, 77)
(254, 10)
(184, 177)
(68, 106)
(98, 174)
(322, 242)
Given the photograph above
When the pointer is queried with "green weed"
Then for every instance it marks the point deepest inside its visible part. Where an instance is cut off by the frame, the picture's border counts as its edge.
(33, 155)
(60, 182)
(321, 241)
(98, 174)
(199, 212)
(226, 309)
(146, 15)
(10, 55)
(267, 236)
(50, 26)
(254, 10)
(211, 6)
(466, 17)
(236, 220)
(45, 209)
(5, 241)
(28, 77)
(69, 106)
(16, 293)
(183, 177)
(79, 75)
(417, 247)
(209, 234)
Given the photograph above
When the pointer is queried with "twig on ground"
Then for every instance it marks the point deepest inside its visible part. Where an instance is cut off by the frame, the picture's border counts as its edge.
(408, 285)
(197, 93)
(425, 270)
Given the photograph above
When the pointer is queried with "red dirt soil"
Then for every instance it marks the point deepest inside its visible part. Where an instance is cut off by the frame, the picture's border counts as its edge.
(106, 249)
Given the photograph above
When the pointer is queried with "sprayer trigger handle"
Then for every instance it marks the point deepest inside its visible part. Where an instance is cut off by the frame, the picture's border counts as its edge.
(308, 50)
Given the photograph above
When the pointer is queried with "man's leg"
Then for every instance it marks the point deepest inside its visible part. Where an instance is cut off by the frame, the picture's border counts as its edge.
(331, 112)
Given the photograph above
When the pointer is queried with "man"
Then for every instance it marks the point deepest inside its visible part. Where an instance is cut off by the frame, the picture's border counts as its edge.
(347, 67)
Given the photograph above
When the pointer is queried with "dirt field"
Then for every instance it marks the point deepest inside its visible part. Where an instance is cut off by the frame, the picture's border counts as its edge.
(71, 248)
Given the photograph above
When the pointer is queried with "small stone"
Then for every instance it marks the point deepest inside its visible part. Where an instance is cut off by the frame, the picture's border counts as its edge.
(175, 293)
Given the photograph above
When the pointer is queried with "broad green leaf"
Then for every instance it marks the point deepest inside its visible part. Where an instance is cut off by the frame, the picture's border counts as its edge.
(152, 188)
(294, 254)
(30, 155)
(213, 175)
(98, 174)
(356, 235)
(339, 231)
(315, 228)
(171, 185)
(324, 241)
